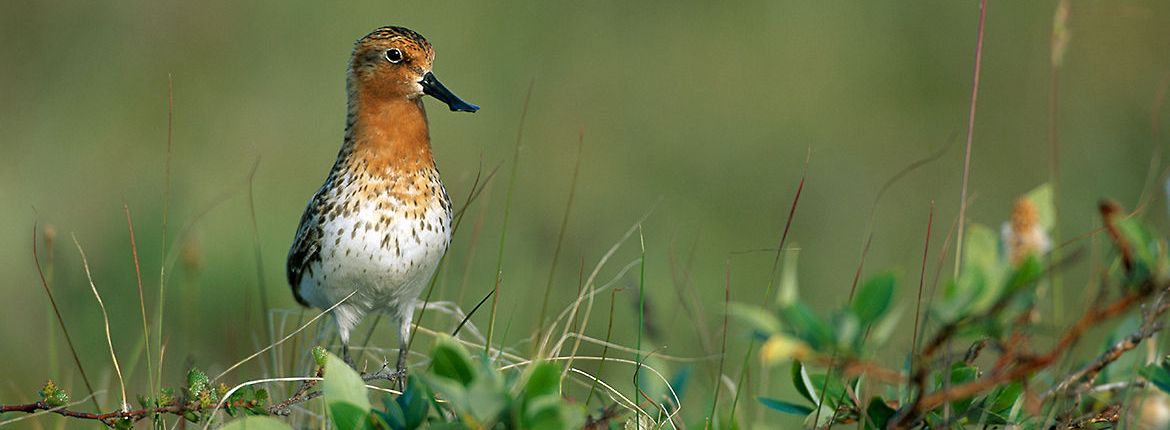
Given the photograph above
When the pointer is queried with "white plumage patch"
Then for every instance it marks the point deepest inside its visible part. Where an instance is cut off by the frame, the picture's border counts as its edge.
(382, 246)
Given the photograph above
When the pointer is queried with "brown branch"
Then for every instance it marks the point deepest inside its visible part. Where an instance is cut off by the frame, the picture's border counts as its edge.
(1089, 372)
(304, 393)
(1026, 366)
(1110, 210)
(110, 418)
(1015, 365)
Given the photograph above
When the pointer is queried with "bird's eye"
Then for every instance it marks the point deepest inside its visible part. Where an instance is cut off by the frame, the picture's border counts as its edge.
(394, 56)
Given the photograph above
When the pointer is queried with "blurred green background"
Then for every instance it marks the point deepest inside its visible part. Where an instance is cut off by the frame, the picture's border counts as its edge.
(700, 113)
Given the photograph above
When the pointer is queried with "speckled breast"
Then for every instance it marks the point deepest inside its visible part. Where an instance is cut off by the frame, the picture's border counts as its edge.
(383, 236)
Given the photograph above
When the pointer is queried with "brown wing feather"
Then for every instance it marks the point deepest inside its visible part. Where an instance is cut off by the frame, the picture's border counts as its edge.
(306, 247)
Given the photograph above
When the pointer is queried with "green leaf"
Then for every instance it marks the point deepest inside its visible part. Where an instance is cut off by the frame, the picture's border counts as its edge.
(450, 360)
(879, 414)
(448, 426)
(808, 326)
(543, 379)
(450, 390)
(53, 395)
(1027, 273)
(256, 423)
(486, 396)
(884, 328)
(1041, 199)
(320, 355)
(848, 331)
(550, 412)
(123, 424)
(345, 393)
(347, 415)
(1144, 249)
(981, 267)
(962, 373)
(1158, 376)
(759, 319)
(680, 381)
(788, 288)
(1005, 397)
(785, 407)
(825, 414)
(802, 382)
(834, 390)
(197, 381)
(414, 403)
(874, 298)
(394, 417)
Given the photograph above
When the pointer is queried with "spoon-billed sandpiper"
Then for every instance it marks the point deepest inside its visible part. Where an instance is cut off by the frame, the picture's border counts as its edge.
(381, 222)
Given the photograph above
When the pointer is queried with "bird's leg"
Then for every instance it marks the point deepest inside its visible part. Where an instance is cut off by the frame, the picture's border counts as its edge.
(403, 338)
(401, 357)
(343, 331)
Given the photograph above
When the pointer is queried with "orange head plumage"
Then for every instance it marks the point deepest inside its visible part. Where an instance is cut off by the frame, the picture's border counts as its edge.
(395, 63)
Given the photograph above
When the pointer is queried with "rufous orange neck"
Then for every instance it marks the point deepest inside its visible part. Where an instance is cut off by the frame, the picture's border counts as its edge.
(390, 133)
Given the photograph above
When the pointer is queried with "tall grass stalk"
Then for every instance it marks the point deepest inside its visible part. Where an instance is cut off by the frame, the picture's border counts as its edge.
(61, 321)
(787, 227)
(49, 236)
(141, 296)
(283, 339)
(914, 336)
(605, 348)
(106, 321)
(1058, 44)
(507, 214)
(970, 136)
(162, 268)
(641, 309)
(561, 235)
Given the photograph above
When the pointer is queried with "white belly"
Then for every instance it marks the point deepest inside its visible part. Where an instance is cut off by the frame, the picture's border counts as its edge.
(388, 256)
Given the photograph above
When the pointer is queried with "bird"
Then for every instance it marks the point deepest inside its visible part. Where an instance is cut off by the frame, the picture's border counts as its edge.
(373, 234)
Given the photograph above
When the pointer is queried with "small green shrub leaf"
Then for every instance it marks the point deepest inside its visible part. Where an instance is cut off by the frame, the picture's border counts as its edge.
(760, 320)
(785, 407)
(788, 284)
(347, 415)
(345, 393)
(1005, 397)
(1041, 199)
(1157, 375)
(449, 360)
(878, 414)
(981, 271)
(874, 298)
(486, 398)
(962, 373)
(550, 412)
(394, 418)
(834, 390)
(802, 382)
(680, 381)
(543, 379)
(808, 326)
(415, 403)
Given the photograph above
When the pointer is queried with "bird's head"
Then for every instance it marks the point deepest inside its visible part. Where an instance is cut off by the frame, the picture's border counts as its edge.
(395, 62)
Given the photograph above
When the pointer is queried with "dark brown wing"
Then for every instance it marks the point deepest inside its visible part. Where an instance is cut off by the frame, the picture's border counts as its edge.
(306, 247)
